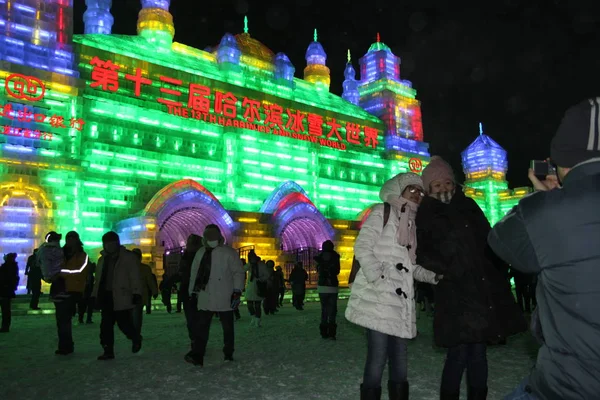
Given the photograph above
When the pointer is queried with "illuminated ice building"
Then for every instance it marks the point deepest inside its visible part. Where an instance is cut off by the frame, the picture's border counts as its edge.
(485, 164)
(155, 139)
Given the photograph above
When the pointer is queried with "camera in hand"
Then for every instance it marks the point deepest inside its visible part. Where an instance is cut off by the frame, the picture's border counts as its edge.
(542, 168)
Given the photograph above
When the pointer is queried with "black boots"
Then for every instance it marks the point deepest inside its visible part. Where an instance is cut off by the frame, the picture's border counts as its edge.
(332, 330)
(370, 394)
(476, 393)
(109, 354)
(328, 330)
(136, 345)
(398, 391)
(324, 331)
(449, 395)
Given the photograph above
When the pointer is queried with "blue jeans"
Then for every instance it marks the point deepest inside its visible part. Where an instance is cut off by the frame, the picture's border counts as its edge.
(382, 348)
(522, 392)
(328, 307)
(471, 357)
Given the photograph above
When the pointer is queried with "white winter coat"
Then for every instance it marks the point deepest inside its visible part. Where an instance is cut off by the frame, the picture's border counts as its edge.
(226, 274)
(374, 302)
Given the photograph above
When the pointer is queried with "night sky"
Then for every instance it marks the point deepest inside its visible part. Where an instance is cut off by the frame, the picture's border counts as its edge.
(515, 65)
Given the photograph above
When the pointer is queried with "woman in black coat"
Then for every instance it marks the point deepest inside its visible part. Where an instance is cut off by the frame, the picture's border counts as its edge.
(474, 303)
(9, 281)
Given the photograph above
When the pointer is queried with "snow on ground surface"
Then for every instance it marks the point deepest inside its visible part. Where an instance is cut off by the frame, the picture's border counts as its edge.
(285, 359)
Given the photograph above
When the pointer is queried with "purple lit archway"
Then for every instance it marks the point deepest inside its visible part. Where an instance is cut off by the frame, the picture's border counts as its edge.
(186, 207)
(299, 224)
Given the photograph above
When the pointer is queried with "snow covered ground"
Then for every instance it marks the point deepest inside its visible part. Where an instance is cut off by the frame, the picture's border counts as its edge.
(285, 359)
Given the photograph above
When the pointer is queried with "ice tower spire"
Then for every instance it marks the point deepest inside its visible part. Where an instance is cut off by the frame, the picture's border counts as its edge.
(246, 30)
(316, 70)
(350, 84)
(97, 18)
(155, 23)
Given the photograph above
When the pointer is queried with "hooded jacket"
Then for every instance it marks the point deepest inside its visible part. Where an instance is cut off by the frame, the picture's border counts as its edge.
(556, 235)
(383, 295)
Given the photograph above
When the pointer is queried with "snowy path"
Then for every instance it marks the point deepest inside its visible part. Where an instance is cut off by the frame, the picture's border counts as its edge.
(285, 359)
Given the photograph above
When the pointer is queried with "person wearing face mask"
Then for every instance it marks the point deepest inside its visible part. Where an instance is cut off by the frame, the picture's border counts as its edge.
(118, 289)
(215, 287)
(474, 304)
(382, 296)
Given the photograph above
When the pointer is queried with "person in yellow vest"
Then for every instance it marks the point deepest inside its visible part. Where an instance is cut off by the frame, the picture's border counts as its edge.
(75, 274)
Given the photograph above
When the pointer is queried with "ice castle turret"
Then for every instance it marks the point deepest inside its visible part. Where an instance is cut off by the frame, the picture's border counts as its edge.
(316, 70)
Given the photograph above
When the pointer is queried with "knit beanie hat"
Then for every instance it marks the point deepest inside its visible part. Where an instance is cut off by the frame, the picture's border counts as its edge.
(578, 136)
(437, 169)
(395, 186)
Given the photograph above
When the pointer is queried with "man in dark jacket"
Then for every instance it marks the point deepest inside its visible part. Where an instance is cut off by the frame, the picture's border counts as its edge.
(9, 281)
(298, 279)
(328, 267)
(556, 234)
(34, 280)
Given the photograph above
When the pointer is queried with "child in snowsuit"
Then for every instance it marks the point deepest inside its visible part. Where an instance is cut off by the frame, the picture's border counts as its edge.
(52, 260)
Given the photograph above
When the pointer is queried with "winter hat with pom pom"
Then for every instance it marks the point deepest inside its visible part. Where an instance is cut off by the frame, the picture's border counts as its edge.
(394, 188)
(438, 169)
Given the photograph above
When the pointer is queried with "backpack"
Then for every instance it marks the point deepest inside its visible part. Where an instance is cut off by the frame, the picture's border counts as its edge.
(355, 263)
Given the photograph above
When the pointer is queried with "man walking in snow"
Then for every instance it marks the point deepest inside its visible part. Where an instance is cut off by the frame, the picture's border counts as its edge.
(118, 289)
(216, 283)
(555, 234)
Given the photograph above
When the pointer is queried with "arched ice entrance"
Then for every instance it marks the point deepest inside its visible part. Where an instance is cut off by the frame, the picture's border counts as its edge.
(299, 225)
(183, 208)
(25, 217)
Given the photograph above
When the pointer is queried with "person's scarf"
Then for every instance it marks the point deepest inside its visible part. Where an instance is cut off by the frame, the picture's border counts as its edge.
(204, 270)
(444, 197)
(407, 228)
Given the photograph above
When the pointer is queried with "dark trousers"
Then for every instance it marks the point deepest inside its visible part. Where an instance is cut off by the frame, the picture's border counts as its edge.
(189, 309)
(180, 296)
(281, 295)
(64, 314)
(166, 300)
(138, 318)
(35, 298)
(202, 320)
(270, 302)
(254, 308)
(471, 357)
(123, 318)
(382, 349)
(328, 307)
(85, 306)
(298, 299)
(5, 305)
(149, 305)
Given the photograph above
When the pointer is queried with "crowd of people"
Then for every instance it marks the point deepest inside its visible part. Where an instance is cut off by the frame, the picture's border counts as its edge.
(427, 231)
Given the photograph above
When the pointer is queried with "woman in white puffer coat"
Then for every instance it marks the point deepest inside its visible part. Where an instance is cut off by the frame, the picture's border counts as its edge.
(383, 294)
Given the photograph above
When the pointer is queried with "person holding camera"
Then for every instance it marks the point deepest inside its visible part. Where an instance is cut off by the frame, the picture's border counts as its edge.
(117, 290)
(216, 283)
(555, 234)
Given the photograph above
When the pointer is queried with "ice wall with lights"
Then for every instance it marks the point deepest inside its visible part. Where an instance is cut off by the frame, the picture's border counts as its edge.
(155, 138)
(38, 34)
